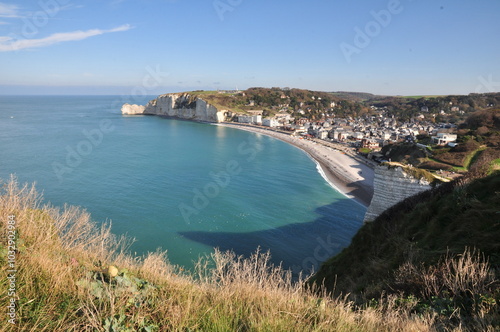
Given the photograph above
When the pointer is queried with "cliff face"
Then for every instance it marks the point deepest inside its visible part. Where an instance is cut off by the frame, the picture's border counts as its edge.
(184, 106)
(392, 185)
(132, 109)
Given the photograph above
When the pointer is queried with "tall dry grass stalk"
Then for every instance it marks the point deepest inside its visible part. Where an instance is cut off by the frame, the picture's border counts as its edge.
(468, 273)
(463, 287)
(64, 284)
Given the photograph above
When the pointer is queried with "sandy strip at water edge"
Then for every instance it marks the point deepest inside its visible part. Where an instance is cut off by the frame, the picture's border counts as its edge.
(347, 175)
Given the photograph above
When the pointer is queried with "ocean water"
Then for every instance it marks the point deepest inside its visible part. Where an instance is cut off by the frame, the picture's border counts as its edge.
(179, 186)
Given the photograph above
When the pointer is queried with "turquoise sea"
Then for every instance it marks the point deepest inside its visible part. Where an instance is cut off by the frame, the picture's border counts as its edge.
(180, 186)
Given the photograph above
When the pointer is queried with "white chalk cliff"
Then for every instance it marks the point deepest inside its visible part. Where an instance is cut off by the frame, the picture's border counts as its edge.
(391, 185)
(132, 109)
(181, 106)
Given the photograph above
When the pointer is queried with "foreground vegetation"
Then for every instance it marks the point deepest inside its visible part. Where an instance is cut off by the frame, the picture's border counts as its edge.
(437, 251)
(71, 275)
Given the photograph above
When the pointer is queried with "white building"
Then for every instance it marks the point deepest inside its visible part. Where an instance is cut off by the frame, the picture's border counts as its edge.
(299, 130)
(358, 135)
(385, 135)
(444, 138)
(251, 119)
(283, 117)
(322, 134)
(339, 134)
(270, 122)
(413, 131)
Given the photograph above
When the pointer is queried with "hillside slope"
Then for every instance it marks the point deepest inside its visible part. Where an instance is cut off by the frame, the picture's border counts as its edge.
(398, 251)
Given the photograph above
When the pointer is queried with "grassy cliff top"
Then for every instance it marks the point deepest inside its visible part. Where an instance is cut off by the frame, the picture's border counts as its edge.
(270, 99)
(416, 173)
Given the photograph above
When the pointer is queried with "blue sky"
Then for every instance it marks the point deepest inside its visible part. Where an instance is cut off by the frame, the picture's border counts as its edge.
(393, 47)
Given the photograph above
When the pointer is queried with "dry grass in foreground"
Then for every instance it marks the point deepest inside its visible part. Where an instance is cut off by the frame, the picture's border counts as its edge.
(73, 275)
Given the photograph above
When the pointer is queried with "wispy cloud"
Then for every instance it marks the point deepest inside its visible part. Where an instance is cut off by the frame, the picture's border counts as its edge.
(9, 10)
(14, 11)
(8, 44)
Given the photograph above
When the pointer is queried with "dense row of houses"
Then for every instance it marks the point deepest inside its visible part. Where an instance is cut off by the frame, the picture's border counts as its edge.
(372, 132)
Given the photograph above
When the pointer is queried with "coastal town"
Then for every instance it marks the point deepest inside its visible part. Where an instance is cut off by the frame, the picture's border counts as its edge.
(368, 134)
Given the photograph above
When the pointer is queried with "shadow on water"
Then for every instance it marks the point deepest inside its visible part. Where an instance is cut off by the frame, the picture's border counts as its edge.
(299, 247)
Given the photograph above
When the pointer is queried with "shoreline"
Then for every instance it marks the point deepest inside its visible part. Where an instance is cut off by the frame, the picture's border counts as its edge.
(344, 173)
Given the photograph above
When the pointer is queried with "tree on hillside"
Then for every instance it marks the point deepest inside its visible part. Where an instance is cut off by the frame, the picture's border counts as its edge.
(488, 118)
